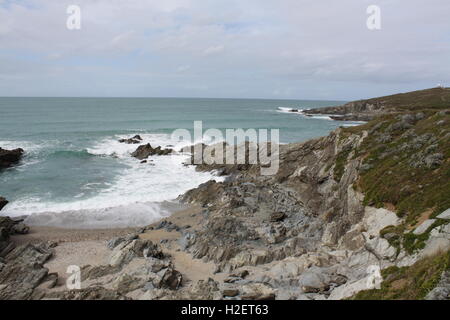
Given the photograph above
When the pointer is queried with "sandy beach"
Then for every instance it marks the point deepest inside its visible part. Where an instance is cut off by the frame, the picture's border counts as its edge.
(83, 247)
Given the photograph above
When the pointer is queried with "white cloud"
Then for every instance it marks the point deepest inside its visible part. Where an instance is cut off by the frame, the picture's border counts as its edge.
(213, 50)
(289, 48)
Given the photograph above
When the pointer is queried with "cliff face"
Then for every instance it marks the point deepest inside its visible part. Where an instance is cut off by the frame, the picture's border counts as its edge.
(372, 196)
(361, 213)
(366, 110)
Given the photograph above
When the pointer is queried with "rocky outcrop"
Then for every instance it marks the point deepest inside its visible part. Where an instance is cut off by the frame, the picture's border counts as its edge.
(442, 289)
(366, 110)
(21, 268)
(9, 158)
(145, 151)
(9, 227)
(315, 230)
(133, 140)
(3, 202)
(306, 231)
(24, 271)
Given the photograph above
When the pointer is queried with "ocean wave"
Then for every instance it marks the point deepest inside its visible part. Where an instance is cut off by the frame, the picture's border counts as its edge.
(289, 110)
(130, 215)
(163, 178)
(27, 146)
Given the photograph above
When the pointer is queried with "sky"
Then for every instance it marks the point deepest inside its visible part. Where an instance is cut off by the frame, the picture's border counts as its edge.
(283, 49)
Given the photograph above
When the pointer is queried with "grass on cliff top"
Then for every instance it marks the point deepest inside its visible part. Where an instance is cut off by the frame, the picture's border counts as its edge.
(435, 98)
(409, 283)
(390, 179)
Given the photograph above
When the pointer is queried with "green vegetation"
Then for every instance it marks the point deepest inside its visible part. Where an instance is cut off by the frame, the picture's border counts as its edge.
(397, 172)
(435, 98)
(405, 162)
(413, 242)
(409, 283)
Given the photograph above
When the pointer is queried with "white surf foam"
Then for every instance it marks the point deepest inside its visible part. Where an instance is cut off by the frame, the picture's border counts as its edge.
(134, 195)
(289, 110)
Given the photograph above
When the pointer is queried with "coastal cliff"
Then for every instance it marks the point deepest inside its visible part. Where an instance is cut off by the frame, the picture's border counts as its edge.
(362, 213)
(369, 109)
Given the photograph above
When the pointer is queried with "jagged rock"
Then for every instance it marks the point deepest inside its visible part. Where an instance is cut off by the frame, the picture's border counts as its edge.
(434, 160)
(145, 151)
(134, 140)
(277, 216)
(128, 250)
(240, 274)
(376, 219)
(444, 215)
(3, 202)
(10, 157)
(191, 149)
(118, 240)
(91, 293)
(24, 271)
(170, 279)
(20, 228)
(257, 291)
(94, 272)
(50, 281)
(230, 292)
(438, 241)
(424, 226)
(320, 280)
(442, 289)
(349, 289)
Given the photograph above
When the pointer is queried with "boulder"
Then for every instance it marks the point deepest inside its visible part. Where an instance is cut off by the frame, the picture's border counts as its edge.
(145, 151)
(10, 157)
(230, 292)
(277, 216)
(24, 271)
(424, 226)
(128, 250)
(444, 215)
(118, 240)
(91, 293)
(442, 289)
(257, 291)
(171, 279)
(439, 241)
(134, 140)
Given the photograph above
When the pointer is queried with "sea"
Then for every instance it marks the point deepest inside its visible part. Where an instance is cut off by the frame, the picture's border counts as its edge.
(75, 173)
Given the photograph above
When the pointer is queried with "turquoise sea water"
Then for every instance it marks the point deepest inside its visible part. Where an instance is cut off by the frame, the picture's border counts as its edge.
(75, 168)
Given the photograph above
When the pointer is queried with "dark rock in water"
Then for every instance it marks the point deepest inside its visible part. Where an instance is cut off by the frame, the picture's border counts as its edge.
(134, 140)
(293, 110)
(144, 161)
(145, 151)
(277, 216)
(3, 202)
(10, 157)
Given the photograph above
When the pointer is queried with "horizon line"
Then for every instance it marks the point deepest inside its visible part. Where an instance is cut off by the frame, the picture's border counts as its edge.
(160, 97)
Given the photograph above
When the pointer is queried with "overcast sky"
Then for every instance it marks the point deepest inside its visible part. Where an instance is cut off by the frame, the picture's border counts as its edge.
(306, 49)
